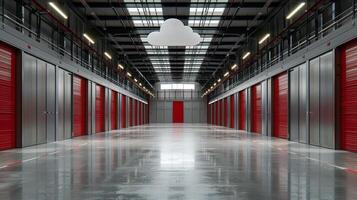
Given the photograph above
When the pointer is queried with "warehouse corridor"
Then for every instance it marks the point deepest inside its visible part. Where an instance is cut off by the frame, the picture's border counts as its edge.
(187, 161)
(178, 99)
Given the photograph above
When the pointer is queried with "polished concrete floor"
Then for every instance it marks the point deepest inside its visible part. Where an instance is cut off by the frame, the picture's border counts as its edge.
(196, 162)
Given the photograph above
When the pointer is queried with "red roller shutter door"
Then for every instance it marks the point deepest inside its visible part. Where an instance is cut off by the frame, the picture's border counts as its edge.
(99, 109)
(257, 108)
(79, 106)
(131, 111)
(123, 111)
(7, 97)
(177, 112)
(225, 112)
(135, 103)
(349, 97)
(280, 105)
(113, 112)
(140, 112)
(242, 110)
(231, 111)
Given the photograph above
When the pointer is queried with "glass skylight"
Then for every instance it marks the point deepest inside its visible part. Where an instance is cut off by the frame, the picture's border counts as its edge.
(206, 11)
(177, 86)
(145, 11)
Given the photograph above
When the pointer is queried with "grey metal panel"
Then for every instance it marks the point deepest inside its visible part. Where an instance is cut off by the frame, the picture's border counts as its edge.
(248, 109)
(51, 103)
(29, 99)
(327, 104)
(60, 104)
(41, 102)
(314, 101)
(153, 112)
(127, 111)
(195, 112)
(89, 107)
(188, 112)
(168, 111)
(160, 112)
(93, 106)
(303, 103)
(67, 105)
(264, 107)
(269, 107)
(294, 104)
(107, 108)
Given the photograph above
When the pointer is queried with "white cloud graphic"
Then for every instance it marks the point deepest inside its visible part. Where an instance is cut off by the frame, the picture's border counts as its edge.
(174, 33)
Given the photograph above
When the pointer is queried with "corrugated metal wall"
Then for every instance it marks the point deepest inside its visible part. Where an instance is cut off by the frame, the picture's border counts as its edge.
(300, 101)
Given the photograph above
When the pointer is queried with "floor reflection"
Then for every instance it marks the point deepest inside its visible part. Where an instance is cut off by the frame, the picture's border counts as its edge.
(177, 162)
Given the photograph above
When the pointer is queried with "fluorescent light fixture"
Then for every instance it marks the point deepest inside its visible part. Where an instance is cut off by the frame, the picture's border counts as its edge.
(88, 38)
(219, 80)
(145, 88)
(234, 66)
(140, 84)
(128, 74)
(226, 74)
(120, 66)
(135, 80)
(266, 36)
(107, 55)
(211, 87)
(58, 10)
(214, 84)
(246, 55)
(292, 13)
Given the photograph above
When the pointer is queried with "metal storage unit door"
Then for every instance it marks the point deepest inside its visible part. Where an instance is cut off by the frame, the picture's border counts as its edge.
(225, 112)
(99, 109)
(64, 104)
(236, 110)
(298, 106)
(79, 106)
(256, 107)
(322, 101)
(242, 110)
(113, 108)
(7, 97)
(231, 111)
(349, 97)
(123, 111)
(280, 107)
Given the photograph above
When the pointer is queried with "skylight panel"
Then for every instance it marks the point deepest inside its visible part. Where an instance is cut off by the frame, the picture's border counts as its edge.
(203, 23)
(206, 11)
(145, 11)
